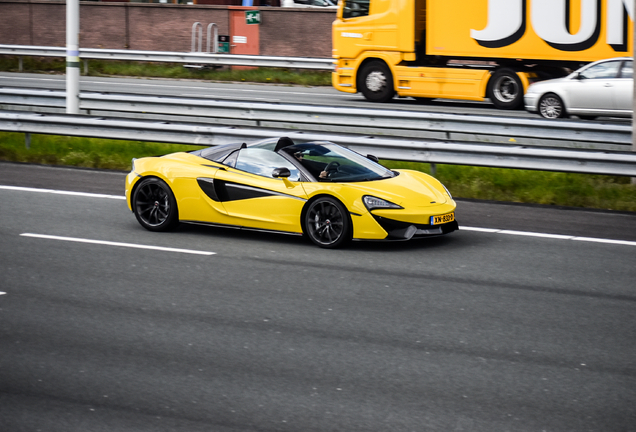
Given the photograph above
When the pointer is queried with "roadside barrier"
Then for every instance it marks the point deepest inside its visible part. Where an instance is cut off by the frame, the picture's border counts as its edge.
(393, 148)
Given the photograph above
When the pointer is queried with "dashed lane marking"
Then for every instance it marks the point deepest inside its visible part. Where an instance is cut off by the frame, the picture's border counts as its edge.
(463, 228)
(61, 192)
(110, 243)
(550, 236)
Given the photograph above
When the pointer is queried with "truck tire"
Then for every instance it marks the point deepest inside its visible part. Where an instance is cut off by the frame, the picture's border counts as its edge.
(505, 89)
(376, 82)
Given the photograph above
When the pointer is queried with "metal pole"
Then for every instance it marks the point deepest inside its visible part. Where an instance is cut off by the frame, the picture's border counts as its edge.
(634, 96)
(72, 57)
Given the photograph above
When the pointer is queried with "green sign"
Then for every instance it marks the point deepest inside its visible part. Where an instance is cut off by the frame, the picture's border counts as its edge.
(253, 17)
(224, 45)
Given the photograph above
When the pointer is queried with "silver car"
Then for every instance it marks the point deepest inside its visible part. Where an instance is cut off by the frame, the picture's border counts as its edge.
(603, 88)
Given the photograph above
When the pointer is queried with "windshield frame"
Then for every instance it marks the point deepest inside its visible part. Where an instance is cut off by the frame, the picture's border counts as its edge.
(314, 157)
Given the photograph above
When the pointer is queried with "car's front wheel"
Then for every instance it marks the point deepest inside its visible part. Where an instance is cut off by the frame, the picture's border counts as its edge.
(154, 205)
(551, 106)
(327, 223)
(376, 82)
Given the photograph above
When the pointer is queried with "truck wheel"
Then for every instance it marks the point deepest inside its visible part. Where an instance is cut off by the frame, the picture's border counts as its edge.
(505, 89)
(376, 82)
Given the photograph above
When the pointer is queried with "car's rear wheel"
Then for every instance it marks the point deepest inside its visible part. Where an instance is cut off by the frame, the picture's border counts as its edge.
(327, 223)
(551, 106)
(154, 205)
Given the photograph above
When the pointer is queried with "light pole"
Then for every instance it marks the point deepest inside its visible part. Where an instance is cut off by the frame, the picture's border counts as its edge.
(72, 56)
(634, 95)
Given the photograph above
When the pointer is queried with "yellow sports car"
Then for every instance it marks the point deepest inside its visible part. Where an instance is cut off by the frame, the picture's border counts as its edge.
(318, 189)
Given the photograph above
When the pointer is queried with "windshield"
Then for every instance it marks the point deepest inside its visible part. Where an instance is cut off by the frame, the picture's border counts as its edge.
(329, 162)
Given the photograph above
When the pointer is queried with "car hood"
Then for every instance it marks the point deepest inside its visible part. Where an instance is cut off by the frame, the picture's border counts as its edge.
(539, 86)
(408, 189)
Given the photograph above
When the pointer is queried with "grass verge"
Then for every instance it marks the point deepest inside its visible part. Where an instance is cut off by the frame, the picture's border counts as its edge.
(497, 184)
(168, 70)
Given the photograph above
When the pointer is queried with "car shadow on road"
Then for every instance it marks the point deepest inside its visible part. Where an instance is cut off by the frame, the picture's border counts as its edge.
(452, 240)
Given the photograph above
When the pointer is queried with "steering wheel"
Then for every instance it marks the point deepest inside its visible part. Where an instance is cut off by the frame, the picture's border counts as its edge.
(332, 167)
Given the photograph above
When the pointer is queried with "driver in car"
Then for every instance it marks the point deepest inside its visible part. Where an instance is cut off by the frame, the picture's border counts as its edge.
(310, 165)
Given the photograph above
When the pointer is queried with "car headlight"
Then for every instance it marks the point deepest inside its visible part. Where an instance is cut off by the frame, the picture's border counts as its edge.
(372, 202)
(448, 192)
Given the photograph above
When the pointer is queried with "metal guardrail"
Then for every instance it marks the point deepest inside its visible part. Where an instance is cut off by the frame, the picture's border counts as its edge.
(503, 156)
(174, 57)
(371, 122)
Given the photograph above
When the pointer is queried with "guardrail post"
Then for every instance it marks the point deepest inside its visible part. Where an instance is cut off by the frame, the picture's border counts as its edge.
(20, 64)
(27, 140)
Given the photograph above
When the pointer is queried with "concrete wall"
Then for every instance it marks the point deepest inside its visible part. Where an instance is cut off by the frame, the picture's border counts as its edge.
(161, 27)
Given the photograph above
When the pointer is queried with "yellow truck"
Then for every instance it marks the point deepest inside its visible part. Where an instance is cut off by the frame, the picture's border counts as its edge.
(471, 49)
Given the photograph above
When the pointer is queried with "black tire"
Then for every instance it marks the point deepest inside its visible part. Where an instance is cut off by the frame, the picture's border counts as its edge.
(551, 106)
(505, 89)
(376, 82)
(154, 205)
(327, 223)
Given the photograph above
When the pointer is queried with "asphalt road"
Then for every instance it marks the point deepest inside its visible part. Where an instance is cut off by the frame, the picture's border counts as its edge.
(474, 331)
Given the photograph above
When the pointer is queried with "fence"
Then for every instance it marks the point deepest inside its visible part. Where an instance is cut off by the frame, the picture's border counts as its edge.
(174, 57)
(367, 122)
(492, 155)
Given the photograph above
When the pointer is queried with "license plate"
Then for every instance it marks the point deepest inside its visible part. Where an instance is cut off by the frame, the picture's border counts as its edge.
(442, 219)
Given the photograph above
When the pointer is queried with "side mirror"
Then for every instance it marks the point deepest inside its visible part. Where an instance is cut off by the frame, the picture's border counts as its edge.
(373, 158)
(281, 172)
(578, 76)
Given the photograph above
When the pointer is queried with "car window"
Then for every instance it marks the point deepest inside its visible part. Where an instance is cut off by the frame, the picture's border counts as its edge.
(262, 162)
(355, 8)
(328, 162)
(602, 70)
(627, 70)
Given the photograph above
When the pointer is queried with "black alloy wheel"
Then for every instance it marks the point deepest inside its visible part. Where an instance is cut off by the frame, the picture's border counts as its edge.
(327, 223)
(505, 89)
(551, 106)
(154, 205)
(376, 82)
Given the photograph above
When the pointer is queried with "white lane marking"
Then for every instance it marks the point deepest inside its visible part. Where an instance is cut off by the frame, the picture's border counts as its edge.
(464, 228)
(2, 293)
(109, 243)
(60, 192)
(552, 236)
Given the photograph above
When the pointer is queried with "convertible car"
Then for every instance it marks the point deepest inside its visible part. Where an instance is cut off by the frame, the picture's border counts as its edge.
(321, 190)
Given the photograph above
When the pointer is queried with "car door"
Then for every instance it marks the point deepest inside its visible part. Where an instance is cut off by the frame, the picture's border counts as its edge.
(624, 89)
(592, 91)
(253, 198)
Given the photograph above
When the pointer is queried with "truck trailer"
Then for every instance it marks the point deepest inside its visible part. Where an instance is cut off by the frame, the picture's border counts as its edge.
(471, 49)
